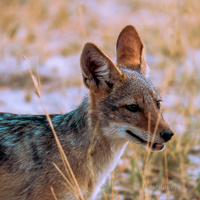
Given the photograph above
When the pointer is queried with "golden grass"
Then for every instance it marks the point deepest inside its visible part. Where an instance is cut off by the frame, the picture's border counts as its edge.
(170, 30)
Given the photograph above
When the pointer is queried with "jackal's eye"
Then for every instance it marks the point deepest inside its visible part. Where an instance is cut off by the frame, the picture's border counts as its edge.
(158, 104)
(133, 107)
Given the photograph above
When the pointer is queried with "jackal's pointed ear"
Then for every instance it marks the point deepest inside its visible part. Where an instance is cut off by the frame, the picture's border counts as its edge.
(130, 50)
(98, 70)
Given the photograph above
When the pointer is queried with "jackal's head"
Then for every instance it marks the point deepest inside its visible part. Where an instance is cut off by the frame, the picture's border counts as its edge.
(122, 100)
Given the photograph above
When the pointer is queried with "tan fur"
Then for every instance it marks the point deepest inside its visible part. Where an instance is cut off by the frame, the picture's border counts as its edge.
(26, 170)
(130, 50)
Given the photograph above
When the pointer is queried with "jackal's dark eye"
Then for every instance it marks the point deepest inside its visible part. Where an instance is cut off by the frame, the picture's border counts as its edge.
(158, 104)
(133, 107)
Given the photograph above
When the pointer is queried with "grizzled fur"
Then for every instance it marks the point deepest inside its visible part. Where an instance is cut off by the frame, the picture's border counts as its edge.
(27, 146)
(117, 109)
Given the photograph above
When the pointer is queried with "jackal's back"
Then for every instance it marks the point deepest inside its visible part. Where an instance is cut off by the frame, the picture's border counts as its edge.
(28, 148)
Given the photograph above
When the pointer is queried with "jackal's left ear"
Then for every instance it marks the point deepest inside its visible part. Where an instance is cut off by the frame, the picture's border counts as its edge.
(130, 50)
(98, 70)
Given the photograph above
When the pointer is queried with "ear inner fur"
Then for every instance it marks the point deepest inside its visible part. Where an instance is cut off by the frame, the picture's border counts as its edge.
(130, 50)
(98, 70)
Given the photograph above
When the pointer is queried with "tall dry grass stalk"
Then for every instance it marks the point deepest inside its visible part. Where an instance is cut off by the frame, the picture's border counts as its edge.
(72, 184)
(166, 174)
(54, 195)
(70, 180)
(148, 150)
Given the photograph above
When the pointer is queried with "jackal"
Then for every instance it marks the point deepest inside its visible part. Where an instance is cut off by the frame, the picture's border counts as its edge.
(119, 101)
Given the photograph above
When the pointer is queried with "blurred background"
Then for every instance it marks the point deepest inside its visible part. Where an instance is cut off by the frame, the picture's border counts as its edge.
(51, 34)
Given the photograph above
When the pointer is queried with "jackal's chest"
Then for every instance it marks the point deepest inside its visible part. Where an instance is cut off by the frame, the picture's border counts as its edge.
(108, 168)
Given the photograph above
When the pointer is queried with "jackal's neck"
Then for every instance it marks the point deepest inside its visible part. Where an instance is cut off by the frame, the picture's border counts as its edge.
(86, 140)
(85, 126)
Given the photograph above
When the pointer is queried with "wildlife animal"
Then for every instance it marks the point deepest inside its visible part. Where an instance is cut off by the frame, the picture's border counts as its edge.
(122, 106)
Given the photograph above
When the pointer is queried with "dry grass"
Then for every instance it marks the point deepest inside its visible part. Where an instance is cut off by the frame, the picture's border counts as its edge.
(170, 30)
(70, 180)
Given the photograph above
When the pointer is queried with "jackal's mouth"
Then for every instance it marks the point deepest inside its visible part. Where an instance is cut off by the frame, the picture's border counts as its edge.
(154, 147)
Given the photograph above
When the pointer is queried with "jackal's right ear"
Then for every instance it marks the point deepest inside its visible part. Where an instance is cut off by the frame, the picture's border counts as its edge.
(130, 50)
(98, 70)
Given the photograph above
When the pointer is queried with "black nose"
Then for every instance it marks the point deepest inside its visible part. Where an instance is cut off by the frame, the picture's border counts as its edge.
(167, 135)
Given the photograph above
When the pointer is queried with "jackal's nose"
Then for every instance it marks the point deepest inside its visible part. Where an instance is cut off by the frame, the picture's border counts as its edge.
(166, 135)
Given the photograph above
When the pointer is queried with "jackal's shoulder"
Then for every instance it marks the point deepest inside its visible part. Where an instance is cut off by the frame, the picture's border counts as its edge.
(20, 127)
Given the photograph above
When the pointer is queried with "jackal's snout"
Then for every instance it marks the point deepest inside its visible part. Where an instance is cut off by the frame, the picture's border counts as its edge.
(166, 135)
